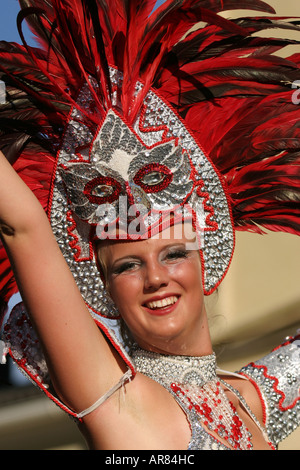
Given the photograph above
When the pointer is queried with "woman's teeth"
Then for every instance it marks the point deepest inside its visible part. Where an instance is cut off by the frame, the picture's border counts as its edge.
(162, 303)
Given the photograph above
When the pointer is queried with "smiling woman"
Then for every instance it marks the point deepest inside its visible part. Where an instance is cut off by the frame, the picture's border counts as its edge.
(156, 285)
(123, 137)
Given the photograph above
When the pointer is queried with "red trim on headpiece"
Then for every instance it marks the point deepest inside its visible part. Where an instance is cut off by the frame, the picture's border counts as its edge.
(75, 243)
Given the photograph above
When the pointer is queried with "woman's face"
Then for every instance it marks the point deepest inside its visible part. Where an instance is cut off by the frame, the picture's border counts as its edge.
(156, 285)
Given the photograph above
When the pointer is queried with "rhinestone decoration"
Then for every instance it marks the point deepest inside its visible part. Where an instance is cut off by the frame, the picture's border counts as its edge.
(173, 164)
(181, 369)
(20, 336)
(216, 412)
(194, 384)
(111, 159)
(20, 339)
(278, 378)
(97, 168)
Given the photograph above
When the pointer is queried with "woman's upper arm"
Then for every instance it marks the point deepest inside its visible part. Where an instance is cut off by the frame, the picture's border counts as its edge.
(81, 363)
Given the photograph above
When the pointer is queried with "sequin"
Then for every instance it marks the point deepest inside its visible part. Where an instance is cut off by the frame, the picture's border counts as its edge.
(278, 378)
(195, 386)
(120, 153)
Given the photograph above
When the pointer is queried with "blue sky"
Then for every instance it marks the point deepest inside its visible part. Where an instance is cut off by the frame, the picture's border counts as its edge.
(8, 28)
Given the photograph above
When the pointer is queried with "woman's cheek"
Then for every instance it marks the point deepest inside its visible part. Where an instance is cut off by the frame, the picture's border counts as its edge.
(187, 269)
(125, 287)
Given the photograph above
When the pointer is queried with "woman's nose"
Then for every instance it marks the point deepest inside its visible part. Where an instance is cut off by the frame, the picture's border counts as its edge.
(156, 275)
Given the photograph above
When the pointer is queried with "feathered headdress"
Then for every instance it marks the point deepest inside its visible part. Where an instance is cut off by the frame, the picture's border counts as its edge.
(172, 106)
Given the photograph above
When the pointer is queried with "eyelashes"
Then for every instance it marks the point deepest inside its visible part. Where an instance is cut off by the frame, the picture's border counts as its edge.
(127, 266)
(177, 254)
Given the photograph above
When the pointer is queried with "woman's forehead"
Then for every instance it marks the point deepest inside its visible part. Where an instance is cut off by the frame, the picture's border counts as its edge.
(177, 234)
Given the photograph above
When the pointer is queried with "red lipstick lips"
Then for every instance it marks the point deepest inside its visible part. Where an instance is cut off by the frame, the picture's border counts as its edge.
(162, 305)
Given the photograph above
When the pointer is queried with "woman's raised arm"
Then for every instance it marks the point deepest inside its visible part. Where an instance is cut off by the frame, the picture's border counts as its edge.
(77, 354)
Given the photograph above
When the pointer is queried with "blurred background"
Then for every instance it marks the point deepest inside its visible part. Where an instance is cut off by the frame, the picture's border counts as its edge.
(255, 308)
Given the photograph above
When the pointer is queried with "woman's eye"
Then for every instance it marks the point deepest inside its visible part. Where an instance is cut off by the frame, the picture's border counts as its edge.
(128, 266)
(178, 254)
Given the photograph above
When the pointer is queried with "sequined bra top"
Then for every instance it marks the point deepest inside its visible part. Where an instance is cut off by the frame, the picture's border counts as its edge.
(194, 384)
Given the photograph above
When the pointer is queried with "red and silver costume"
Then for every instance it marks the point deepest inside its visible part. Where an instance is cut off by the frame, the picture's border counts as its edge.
(178, 111)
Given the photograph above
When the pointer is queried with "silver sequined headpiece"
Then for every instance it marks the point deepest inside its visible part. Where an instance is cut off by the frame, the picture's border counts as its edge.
(154, 164)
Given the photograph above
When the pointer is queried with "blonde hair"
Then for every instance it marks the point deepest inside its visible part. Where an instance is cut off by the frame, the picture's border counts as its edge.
(125, 333)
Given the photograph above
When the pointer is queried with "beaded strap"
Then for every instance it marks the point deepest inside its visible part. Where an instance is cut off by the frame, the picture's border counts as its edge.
(127, 376)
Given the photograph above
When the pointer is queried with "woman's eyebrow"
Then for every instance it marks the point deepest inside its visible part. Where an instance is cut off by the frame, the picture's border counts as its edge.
(121, 260)
(126, 257)
(173, 246)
